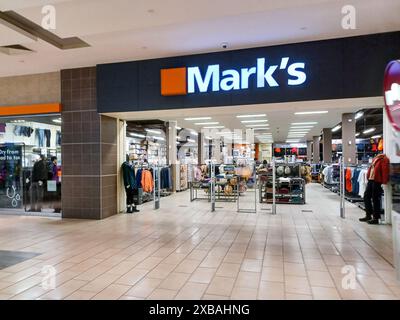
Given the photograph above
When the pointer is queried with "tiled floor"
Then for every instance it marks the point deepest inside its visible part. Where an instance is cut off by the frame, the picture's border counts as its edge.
(189, 252)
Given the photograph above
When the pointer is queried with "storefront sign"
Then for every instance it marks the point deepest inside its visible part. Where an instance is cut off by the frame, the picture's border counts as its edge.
(181, 81)
(319, 70)
(391, 87)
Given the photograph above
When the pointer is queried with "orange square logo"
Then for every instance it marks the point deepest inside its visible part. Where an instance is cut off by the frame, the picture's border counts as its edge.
(173, 82)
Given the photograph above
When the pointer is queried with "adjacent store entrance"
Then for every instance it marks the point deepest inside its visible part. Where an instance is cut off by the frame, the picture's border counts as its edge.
(30, 164)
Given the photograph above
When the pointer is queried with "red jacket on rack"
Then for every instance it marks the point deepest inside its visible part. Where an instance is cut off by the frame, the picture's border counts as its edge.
(381, 169)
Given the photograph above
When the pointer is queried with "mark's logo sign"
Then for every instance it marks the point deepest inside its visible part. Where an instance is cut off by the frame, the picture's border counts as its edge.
(182, 81)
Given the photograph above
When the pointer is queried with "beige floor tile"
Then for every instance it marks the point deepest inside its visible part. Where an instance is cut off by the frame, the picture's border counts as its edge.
(144, 288)
(220, 286)
(239, 293)
(320, 279)
(81, 295)
(149, 263)
(248, 280)
(375, 296)
(112, 292)
(251, 265)
(197, 254)
(273, 261)
(161, 271)
(63, 291)
(214, 297)
(333, 260)
(129, 298)
(132, 277)
(228, 270)
(324, 293)
(297, 285)
(373, 285)
(174, 281)
(271, 290)
(294, 296)
(234, 257)
(162, 294)
(203, 275)
(101, 282)
(187, 266)
(272, 274)
(315, 264)
(295, 269)
(191, 291)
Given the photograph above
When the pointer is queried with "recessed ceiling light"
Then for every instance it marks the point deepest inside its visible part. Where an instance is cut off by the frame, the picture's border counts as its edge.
(138, 135)
(153, 131)
(254, 121)
(301, 123)
(251, 115)
(257, 125)
(358, 115)
(199, 118)
(310, 112)
(337, 128)
(205, 123)
(214, 127)
(158, 138)
(369, 130)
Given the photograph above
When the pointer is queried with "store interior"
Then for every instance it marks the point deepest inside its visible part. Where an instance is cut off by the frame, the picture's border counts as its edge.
(260, 155)
(30, 162)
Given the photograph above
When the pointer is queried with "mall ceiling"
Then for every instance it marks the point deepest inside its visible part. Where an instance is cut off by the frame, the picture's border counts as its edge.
(122, 30)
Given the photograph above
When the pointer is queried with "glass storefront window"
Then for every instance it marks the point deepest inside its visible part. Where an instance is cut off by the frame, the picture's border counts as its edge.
(30, 164)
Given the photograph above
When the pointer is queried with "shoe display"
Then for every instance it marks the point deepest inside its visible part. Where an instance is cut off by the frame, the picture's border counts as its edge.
(365, 219)
(373, 221)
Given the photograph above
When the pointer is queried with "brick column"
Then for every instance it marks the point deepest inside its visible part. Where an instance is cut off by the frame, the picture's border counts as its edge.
(89, 149)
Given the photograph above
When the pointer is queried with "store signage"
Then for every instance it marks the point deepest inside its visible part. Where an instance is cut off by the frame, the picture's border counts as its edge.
(182, 81)
(391, 87)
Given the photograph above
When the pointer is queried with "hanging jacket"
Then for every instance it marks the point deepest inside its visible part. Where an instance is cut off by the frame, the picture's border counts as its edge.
(139, 178)
(147, 181)
(128, 173)
(380, 169)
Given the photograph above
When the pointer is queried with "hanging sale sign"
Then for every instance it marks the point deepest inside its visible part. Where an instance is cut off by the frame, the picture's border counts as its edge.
(391, 87)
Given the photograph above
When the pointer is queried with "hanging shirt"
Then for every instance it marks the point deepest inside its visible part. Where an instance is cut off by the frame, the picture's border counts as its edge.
(362, 182)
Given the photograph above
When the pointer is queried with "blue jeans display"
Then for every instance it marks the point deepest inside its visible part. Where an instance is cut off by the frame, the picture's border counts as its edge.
(40, 135)
(58, 138)
(47, 134)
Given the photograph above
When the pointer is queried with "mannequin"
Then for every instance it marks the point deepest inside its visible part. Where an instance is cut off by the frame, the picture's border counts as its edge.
(128, 172)
(378, 174)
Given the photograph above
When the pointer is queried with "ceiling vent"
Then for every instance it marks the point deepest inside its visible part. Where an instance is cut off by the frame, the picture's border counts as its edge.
(15, 50)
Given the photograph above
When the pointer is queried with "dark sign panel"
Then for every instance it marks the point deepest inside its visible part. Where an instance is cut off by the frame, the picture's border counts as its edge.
(330, 69)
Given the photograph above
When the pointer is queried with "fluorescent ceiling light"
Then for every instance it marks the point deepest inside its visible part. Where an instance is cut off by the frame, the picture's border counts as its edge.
(257, 125)
(376, 137)
(153, 131)
(357, 134)
(158, 138)
(54, 120)
(214, 127)
(337, 128)
(199, 118)
(301, 127)
(138, 135)
(292, 140)
(178, 128)
(358, 115)
(254, 121)
(301, 123)
(310, 112)
(369, 130)
(205, 123)
(251, 115)
(300, 130)
(194, 132)
(191, 140)
(208, 137)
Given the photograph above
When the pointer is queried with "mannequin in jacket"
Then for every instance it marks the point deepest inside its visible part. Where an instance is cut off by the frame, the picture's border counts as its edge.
(128, 173)
(378, 174)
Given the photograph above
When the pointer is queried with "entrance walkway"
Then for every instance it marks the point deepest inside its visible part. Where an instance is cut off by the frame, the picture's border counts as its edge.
(184, 251)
